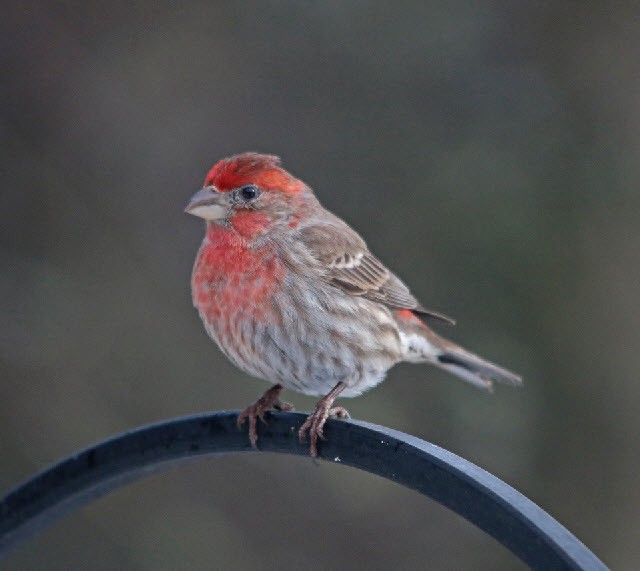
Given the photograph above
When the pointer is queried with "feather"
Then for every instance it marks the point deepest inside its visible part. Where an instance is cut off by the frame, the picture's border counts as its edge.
(347, 264)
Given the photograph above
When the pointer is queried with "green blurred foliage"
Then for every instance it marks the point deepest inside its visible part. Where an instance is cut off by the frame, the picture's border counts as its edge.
(488, 153)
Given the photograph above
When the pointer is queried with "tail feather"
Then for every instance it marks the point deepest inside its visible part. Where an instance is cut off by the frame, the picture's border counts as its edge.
(423, 345)
(473, 369)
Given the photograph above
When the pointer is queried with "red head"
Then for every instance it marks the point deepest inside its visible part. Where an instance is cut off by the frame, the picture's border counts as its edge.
(251, 193)
(261, 170)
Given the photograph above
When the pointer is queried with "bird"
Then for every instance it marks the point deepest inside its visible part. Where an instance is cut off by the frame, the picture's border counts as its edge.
(291, 294)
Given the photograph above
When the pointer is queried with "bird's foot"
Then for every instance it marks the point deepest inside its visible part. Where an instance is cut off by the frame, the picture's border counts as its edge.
(270, 400)
(315, 422)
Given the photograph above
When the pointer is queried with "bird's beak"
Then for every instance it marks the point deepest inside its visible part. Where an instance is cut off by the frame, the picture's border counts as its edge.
(209, 203)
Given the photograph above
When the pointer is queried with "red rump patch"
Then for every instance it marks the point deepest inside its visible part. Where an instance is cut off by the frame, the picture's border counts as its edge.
(263, 170)
(408, 315)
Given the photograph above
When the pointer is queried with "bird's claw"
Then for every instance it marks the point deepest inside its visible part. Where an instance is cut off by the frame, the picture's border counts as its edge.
(315, 422)
(270, 400)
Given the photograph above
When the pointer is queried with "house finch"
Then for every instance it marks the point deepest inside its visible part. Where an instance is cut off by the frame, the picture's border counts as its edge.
(291, 294)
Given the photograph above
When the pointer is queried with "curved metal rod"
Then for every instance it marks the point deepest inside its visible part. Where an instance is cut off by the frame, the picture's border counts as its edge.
(493, 506)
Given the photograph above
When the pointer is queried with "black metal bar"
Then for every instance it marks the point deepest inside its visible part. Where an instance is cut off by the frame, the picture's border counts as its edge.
(493, 506)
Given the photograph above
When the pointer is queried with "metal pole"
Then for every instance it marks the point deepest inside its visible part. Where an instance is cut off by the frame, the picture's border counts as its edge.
(502, 512)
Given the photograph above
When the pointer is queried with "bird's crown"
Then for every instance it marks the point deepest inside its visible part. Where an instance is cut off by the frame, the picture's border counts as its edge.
(262, 170)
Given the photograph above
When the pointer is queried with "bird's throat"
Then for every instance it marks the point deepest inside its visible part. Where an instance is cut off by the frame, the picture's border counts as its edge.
(232, 276)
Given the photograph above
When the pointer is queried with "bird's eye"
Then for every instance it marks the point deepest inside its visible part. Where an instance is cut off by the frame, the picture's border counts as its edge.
(249, 192)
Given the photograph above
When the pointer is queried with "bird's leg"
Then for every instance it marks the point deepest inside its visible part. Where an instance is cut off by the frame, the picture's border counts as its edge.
(270, 400)
(315, 421)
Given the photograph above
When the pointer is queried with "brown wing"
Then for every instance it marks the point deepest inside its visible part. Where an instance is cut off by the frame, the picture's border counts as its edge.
(350, 266)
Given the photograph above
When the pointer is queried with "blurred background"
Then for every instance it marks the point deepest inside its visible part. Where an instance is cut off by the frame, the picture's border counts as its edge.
(488, 151)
